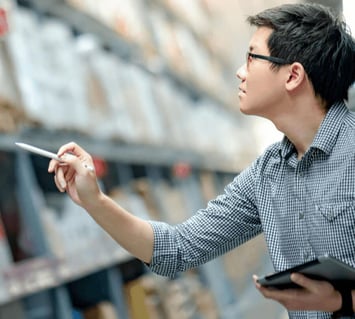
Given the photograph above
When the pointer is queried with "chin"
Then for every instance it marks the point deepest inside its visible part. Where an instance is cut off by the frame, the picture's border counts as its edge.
(245, 110)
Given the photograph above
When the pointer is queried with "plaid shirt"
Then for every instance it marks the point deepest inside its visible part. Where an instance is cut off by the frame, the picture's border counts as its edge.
(306, 208)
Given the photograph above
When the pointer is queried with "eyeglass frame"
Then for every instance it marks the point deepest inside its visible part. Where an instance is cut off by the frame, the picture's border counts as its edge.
(269, 58)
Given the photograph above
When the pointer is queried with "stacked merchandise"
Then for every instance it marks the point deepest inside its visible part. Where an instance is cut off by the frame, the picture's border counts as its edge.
(63, 82)
(70, 231)
(47, 71)
(70, 83)
(151, 296)
(172, 33)
(185, 298)
(103, 310)
(9, 228)
(12, 115)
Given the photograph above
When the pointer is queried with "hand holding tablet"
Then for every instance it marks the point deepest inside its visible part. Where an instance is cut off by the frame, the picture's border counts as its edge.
(322, 268)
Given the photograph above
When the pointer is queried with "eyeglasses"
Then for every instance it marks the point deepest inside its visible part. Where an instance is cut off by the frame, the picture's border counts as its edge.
(272, 59)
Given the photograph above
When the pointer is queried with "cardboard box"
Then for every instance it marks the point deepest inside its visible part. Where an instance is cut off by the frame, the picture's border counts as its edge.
(103, 310)
(143, 299)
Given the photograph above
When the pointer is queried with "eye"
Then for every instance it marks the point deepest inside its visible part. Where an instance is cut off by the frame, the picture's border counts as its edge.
(249, 58)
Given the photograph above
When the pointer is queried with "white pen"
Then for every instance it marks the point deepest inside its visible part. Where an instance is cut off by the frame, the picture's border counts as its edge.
(45, 153)
(38, 151)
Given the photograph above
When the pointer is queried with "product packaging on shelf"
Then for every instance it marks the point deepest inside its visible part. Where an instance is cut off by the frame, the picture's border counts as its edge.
(125, 109)
(143, 188)
(70, 230)
(127, 18)
(62, 78)
(149, 297)
(141, 299)
(192, 13)
(131, 201)
(71, 83)
(47, 71)
(4, 18)
(168, 48)
(142, 106)
(24, 55)
(12, 116)
(173, 205)
(108, 115)
(103, 310)
(171, 103)
(11, 102)
(187, 298)
(9, 88)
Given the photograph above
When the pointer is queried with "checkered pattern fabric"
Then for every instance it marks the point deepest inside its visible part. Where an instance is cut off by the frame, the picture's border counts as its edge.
(306, 208)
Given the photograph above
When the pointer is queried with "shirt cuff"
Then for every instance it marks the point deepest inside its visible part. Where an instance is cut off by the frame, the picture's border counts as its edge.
(165, 252)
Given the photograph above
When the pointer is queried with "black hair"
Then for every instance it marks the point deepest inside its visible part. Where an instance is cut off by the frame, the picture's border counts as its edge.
(314, 36)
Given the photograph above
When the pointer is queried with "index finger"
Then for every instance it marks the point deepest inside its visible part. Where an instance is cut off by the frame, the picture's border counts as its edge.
(72, 148)
(303, 281)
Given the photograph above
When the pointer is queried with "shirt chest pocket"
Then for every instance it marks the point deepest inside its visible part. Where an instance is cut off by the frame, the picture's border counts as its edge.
(337, 212)
(331, 229)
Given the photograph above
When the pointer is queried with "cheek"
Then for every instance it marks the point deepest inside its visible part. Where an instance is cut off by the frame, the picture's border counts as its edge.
(262, 94)
(266, 88)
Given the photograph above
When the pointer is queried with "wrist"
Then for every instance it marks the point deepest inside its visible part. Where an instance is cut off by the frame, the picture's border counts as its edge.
(96, 202)
(347, 303)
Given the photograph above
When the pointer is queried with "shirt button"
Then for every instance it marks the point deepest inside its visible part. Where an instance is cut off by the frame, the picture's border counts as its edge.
(301, 215)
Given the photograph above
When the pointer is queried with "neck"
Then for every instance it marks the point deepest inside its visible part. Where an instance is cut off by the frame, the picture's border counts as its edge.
(301, 125)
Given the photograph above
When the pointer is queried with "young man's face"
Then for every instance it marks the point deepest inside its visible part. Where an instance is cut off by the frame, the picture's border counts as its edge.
(261, 90)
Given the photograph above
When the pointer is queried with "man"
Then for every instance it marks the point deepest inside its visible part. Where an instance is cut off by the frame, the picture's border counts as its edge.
(300, 192)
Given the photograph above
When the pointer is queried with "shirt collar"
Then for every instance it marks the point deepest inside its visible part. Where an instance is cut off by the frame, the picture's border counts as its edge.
(326, 136)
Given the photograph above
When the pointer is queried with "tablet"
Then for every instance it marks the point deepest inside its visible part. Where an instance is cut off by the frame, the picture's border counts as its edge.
(323, 268)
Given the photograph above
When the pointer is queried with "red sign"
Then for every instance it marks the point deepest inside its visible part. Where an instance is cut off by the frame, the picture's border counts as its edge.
(4, 26)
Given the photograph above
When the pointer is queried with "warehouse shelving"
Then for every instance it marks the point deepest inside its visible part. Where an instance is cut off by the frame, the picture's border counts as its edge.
(44, 272)
(84, 23)
(114, 150)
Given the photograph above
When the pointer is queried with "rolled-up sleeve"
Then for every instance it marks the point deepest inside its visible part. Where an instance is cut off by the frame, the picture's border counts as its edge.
(226, 222)
(164, 261)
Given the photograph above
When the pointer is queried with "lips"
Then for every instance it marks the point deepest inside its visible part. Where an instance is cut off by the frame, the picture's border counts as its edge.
(242, 91)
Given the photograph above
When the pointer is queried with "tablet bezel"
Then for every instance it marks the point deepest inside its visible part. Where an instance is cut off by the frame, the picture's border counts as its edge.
(324, 267)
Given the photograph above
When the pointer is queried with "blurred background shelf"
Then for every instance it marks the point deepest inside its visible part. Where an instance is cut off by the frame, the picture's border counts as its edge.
(82, 22)
(127, 153)
(145, 87)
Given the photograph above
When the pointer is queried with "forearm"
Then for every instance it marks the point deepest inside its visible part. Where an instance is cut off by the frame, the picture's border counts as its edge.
(132, 233)
(353, 297)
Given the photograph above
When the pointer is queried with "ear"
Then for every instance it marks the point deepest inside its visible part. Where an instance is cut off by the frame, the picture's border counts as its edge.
(295, 76)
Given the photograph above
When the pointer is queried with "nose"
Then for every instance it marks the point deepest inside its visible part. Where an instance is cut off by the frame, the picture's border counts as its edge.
(242, 72)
